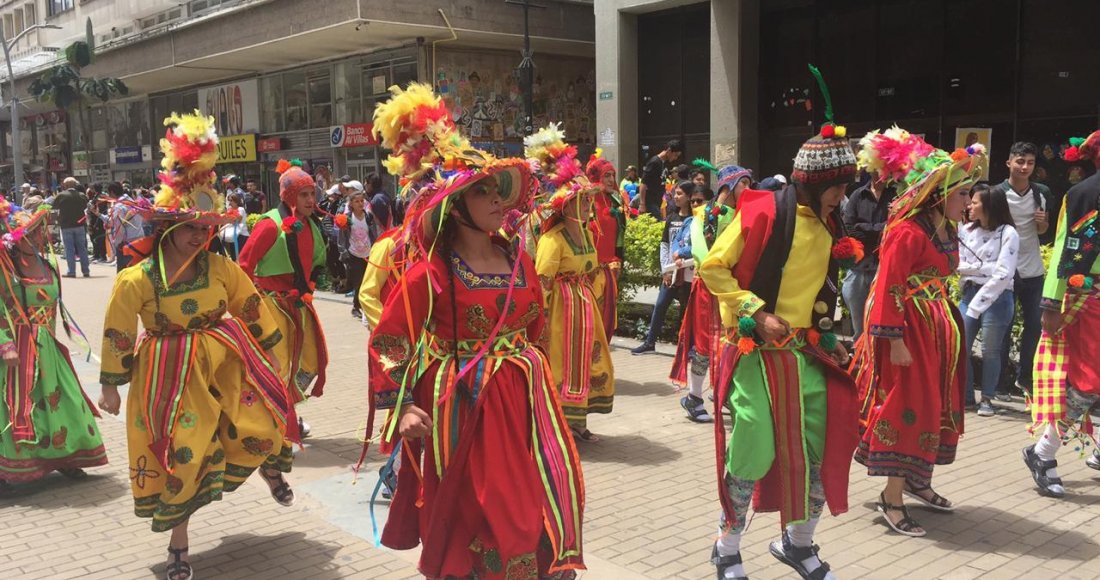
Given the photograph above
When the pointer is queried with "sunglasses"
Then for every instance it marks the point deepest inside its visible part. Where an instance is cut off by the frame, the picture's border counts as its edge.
(698, 201)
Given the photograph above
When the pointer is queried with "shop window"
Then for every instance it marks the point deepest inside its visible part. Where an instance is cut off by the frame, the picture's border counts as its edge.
(9, 26)
(19, 24)
(297, 101)
(29, 14)
(346, 90)
(271, 94)
(56, 7)
(320, 99)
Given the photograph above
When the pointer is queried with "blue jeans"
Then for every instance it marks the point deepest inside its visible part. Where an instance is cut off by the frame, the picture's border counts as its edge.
(1029, 291)
(993, 324)
(654, 209)
(664, 298)
(854, 288)
(76, 245)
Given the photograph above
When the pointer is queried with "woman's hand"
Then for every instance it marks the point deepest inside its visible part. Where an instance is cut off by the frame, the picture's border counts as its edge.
(770, 327)
(414, 423)
(899, 353)
(109, 400)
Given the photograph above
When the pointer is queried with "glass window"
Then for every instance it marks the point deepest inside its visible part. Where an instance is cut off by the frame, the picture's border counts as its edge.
(347, 93)
(271, 92)
(404, 73)
(58, 6)
(320, 99)
(19, 25)
(9, 26)
(297, 103)
(28, 12)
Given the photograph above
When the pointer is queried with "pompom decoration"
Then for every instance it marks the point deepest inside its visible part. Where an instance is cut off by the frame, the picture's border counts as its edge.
(746, 325)
(841, 131)
(291, 224)
(848, 251)
(813, 337)
(1077, 281)
(959, 155)
(746, 345)
(704, 165)
(828, 131)
(341, 220)
(1072, 154)
(1088, 283)
(892, 154)
(828, 341)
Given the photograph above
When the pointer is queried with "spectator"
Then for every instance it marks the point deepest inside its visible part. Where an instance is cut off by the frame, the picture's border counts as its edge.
(652, 190)
(124, 225)
(380, 208)
(988, 247)
(71, 205)
(235, 235)
(1028, 202)
(864, 218)
(332, 205)
(629, 185)
(355, 242)
(97, 227)
(675, 281)
(24, 192)
(254, 200)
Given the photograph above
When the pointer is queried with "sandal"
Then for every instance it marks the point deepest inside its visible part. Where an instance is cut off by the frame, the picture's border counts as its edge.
(178, 569)
(73, 473)
(585, 435)
(906, 526)
(1048, 486)
(936, 502)
(793, 556)
(281, 492)
(723, 562)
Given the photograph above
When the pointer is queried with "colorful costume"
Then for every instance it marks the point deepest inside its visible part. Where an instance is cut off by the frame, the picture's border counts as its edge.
(495, 490)
(792, 408)
(205, 407)
(911, 416)
(572, 284)
(47, 422)
(1067, 383)
(608, 228)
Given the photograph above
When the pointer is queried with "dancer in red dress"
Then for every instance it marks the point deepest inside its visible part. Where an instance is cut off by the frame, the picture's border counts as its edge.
(490, 484)
(910, 366)
(608, 227)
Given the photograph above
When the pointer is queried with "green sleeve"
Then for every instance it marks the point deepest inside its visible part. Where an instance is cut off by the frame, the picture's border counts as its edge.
(1054, 288)
(699, 247)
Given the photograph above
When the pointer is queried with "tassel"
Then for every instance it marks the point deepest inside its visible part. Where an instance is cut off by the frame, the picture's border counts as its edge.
(824, 93)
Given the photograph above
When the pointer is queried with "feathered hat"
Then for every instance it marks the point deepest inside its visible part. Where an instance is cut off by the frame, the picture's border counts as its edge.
(826, 159)
(924, 173)
(555, 164)
(432, 158)
(1084, 149)
(190, 148)
(16, 222)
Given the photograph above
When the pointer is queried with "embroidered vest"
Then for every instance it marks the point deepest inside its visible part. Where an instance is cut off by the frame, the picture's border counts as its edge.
(277, 260)
(1082, 245)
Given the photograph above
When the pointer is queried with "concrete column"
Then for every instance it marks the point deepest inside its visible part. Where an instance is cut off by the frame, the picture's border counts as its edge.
(616, 73)
(734, 60)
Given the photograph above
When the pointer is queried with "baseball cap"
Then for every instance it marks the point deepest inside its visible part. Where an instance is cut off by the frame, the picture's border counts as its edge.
(354, 185)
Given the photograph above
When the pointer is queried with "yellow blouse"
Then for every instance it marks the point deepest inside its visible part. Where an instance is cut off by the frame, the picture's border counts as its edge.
(802, 276)
(220, 288)
(379, 267)
(557, 255)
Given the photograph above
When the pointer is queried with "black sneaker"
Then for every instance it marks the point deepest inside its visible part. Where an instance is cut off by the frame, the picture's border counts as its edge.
(356, 314)
(794, 556)
(723, 562)
(303, 428)
(643, 348)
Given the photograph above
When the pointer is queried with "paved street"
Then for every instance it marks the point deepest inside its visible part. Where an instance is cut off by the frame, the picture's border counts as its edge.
(652, 506)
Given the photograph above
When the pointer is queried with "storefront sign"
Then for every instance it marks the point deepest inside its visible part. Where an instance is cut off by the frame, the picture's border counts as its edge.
(237, 149)
(269, 144)
(235, 107)
(607, 95)
(80, 163)
(357, 135)
(124, 155)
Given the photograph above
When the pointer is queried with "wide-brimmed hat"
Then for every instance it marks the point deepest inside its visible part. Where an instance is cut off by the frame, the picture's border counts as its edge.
(16, 222)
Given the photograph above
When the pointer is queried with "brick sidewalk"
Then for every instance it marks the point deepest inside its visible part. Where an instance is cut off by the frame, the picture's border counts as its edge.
(652, 508)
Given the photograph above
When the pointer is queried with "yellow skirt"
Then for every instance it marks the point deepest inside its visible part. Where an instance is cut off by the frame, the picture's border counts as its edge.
(223, 432)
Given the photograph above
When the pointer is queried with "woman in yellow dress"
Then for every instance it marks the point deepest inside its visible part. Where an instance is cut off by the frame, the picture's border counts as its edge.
(206, 405)
(571, 278)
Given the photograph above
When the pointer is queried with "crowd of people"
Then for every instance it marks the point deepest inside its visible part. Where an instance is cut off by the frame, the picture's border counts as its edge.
(489, 287)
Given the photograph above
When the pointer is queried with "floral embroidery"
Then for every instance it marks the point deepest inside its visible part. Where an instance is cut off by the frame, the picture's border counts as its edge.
(173, 484)
(256, 446)
(750, 306)
(121, 342)
(54, 398)
(599, 382)
(164, 325)
(59, 437)
(183, 455)
(250, 312)
(473, 280)
(141, 473)
(909, 417)
(218, 456)
(929, 442)
(189, 306)
(200, 281)
(248, 398)
(886, 433)
(188, 420)
(524, 321)
(523, 567)
(393, 350)
(477, 322)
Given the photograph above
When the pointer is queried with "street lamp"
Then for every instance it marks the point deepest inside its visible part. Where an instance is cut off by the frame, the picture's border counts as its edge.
(527, 66)
(17, 146)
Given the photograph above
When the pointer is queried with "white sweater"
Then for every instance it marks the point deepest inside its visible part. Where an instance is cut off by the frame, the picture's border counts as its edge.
(987, 258)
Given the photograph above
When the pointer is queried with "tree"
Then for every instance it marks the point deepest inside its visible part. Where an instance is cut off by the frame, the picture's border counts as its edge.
(63, 86)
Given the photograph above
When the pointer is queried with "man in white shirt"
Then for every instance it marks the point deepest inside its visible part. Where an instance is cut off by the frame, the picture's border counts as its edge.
(1028, 202)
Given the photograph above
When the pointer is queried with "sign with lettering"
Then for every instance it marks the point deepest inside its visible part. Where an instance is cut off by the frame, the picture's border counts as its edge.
(269, 144)
(125, 155)
(237, 149)
(357, 135)
(234, 106)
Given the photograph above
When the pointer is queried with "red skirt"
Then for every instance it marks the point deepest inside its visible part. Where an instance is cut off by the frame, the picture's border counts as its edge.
(700, 332)
(911, 417)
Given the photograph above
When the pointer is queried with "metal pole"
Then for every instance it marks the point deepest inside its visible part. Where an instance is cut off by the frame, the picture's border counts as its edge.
(16, 143)
(528, 72)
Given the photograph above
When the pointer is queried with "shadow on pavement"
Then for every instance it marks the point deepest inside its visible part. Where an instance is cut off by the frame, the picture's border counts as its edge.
(333, 452)
(57, 491)
(632, 389)
(627, 449)
(233, 557)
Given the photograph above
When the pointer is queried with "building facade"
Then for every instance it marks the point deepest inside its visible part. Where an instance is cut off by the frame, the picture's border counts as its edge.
(729, 77)
(283, 82)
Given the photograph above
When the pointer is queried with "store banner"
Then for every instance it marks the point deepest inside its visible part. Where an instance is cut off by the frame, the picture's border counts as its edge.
(270, 144)
(237, 149)
(125, 155)
(80, 163)
(356, 135)
(234, 106)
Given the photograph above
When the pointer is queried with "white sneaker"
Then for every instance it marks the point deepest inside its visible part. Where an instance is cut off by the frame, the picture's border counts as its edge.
(303, 428)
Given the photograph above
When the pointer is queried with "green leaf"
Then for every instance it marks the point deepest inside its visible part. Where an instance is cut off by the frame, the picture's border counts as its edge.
(78, 54)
